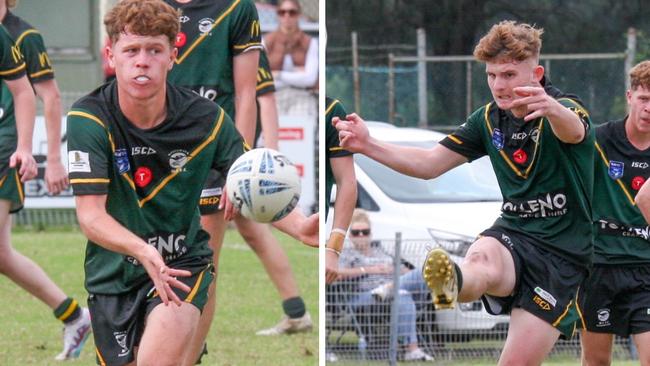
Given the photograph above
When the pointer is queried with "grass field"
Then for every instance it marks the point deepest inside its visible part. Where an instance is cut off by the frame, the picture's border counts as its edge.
(247, 302)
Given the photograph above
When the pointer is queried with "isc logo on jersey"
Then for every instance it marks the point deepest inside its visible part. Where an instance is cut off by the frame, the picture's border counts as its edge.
(142, 150)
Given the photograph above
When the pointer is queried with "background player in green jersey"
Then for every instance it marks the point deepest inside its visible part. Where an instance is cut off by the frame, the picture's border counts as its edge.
(273, 257)
(615, 299)
(218, 45)
(17, 267)
(532, 260)
(339, 170)
(139, 150)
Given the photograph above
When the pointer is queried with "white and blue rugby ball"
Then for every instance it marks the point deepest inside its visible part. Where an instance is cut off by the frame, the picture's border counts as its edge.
(263, 185)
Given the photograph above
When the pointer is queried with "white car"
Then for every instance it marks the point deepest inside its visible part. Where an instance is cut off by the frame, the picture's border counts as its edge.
(449, 211)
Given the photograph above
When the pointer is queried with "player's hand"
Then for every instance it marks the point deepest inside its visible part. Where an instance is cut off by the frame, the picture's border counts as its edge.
(353, 132)
(308, 231)
(26, 163)
(229, 210)
(56, 178)
(331, 266)
(539, 103)
(163, 277)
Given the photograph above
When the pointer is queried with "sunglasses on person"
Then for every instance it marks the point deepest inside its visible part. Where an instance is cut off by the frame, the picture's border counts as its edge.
(290, 12)
(360, 232)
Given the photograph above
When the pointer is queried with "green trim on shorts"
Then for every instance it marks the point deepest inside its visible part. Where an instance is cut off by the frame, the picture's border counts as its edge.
(568, 321)
(198, 296)
(11, 189)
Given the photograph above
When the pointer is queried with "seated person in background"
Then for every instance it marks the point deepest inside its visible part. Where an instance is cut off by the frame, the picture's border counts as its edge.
(373, 268)
(293, 55)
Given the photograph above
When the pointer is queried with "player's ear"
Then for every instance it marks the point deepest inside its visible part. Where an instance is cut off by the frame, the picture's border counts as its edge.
(173, 58)
(538, 73)
(108, 52)
(628, 96)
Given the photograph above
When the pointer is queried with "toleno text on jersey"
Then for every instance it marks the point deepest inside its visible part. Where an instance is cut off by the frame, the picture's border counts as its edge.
(548, 205)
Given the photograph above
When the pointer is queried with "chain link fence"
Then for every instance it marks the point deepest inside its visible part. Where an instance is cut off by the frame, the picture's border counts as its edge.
(599, 83)
(376, 318)
(381, 83)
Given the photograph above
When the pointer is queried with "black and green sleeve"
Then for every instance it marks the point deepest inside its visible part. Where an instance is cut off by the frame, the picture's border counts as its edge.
(89, 159)
(245, 33)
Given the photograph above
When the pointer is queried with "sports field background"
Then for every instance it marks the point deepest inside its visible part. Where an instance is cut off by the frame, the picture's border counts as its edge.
(247, 302)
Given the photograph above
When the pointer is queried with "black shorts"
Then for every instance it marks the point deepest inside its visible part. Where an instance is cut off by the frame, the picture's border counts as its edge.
(211, 193)
(118, 321)
(546, 284)
(616, 300)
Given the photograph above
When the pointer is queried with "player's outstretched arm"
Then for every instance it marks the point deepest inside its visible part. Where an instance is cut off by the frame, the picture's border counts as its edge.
(56, 178)
(413, 161)
(642, 200)
(103, 229)
(25, 110)
(346, 200)
(566, 124)
(300, 227)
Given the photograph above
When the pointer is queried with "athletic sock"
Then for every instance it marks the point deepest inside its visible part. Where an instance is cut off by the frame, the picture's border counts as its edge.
(459, 276)
(294, 307)
(68, 311)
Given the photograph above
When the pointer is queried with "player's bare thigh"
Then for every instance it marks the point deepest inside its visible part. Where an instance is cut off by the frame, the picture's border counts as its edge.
(492, 265)
(642, 342)
(596, 348)
(5, 224)
(168, 331)
(529, 340)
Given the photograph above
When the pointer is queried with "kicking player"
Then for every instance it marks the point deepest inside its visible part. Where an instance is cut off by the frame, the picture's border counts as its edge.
(532, 260)
(139, 150)
(339, 169)
(616, 297)
(20, 269)
(218, 47)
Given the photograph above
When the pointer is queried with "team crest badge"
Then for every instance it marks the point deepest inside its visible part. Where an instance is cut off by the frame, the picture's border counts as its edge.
(615, 169)
(122, 161)
(497, 139)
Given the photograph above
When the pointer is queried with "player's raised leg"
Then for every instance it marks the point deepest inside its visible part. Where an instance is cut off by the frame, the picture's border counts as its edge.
(488, 268)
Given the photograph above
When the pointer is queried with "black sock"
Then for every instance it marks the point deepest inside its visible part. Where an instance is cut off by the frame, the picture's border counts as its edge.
(68, 311)
(294, 307)
(459, 276)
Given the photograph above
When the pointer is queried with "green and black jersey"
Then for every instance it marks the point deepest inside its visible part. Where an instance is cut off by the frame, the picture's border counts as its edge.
(333, 108)
(265, 85)
(621, 234)
(212, 33)
(12, 67)
(546, 184)
(152, 178)
(30, 43)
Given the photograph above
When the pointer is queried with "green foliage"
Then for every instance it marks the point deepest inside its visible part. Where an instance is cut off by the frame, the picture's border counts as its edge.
(247, 302)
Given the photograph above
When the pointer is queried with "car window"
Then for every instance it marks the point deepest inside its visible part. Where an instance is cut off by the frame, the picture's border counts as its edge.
(466, 183)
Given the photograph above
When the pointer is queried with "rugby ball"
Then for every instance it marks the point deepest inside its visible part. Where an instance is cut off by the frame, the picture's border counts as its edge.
(263, 185)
